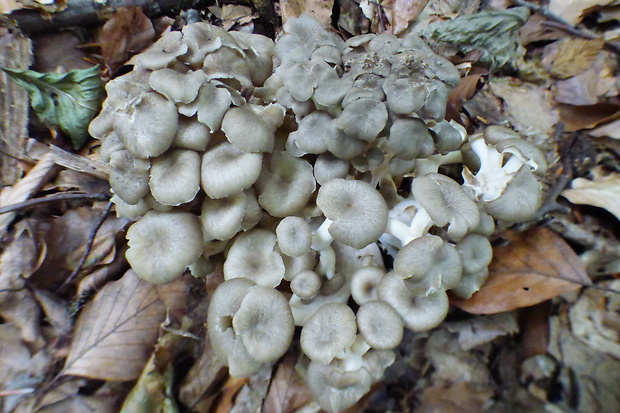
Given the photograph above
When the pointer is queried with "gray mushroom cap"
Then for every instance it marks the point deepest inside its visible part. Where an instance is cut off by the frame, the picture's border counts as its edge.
(363, 119)
(294, 236)
(253, 256)
(221, 218)
(129, 177)
(327, 167)
(329, 331)
(475, 251)
(251, 128)
(164, 51)
(526, 152)
(336, 389)
(191, 135)
(364, 283)
(163, 244)
(175, 177)
(409, 138)
(306, 284)
(359, 213)
(176, 86)
(520, 200)
(226, 171)
(264, 323)
(380, 325)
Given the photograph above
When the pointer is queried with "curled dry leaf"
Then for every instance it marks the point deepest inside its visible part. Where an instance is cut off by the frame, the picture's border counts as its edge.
(536, 266)
(116, 332)
(574, 10)
(587, 116)
(288, 391)
(602, 191)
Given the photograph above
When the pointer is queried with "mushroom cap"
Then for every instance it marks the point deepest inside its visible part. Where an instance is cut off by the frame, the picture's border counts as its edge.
(419, 312)
(294, 236)
(202, 38)
(364, 283)
(526, 151)
(285, 184)
(429, 262)
(295, 265)
(125, 210)
(162, 52)
(247, 129)
(210, 106)
(306, 284)
(494, 134)
(363, 119)
(163, 244)
(446, 203)
(380, 325)
(191, 135)
(403, 95)
(129, 176)
(175, 177)
(228, 65)
(221, 218)
(309, 136)
(226, 171)
(520, 200)
(476, 252)
(253, 256)
(148, 125)
(327, 167)
(409, 138)
(259, 52)
(329, 331)
(176, 86)
(264, 323)
(358, 210)
(447, 137)
(336, 389)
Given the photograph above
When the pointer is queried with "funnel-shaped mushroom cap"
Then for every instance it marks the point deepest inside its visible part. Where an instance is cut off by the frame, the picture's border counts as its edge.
(163, 244)
(253, 256)
(429, 262)
(363, 119)
(202, 39)
(380, 325)
(419, 312)
(520, 200)
(148, 126)
(364, 283)
(358, 210)
(162, 52)
(329, 331)
(251, 128)
(294, 236)
(175, 177)
(336, 389)
(129, 176)
(306, 284)
(226, 171)
(221, 218)
(265, 324)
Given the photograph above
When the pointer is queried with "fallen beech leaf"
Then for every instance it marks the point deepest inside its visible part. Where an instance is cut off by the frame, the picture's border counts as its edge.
(128, 32)
(602, 191)
(288, 391)
(319, 9)
(573, 10)
(536, 266)
(229, 392)
(401, 13)
(464, 91)
(587, 116)
(116, 332)
(570, 57)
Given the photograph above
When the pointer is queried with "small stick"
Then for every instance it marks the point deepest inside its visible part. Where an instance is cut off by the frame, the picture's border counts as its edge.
(51, 198)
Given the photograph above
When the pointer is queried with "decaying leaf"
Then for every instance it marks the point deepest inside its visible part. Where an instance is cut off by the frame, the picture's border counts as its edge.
(536, 266)
(288, 391)
(588, 116)
(484, 329)
(319, 9)
(588, 88)
(128, 32)
(116, 332)
(573, 10)
(602, 191)
(229, 392)
(494, 33)
(401, 13)
(69, 100)
(569, 57)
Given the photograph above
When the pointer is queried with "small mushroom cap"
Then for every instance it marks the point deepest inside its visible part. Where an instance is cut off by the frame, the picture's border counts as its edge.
(475, 251)
(295, 265)
(259, 52)
(364, 283)
(359, 212)
(226, 171)
(336, 389)
(446, 203)
(248, 129)
(327, 167)
(520, 201)
(210, 106)
(404, 96)
(363, 119)
(526, 152)
(176, 86)
(129, 176)
(306, 284)
(125, 210)
(191, 135)
(419, 312)
(494, 134)
(409, 138)
(329, 331)
(163, 244)
(380, 325)
(175, 177)
(285, 184)
(228, 65)
(253, 256)
(148, 126)
(447, 137)
(294, 236)
(265, 324)
(221, 218)
(162, 52)
(429, 262)
(310, 135)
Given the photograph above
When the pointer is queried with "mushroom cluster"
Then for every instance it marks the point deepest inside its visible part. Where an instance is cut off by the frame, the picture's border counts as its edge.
(303, 180)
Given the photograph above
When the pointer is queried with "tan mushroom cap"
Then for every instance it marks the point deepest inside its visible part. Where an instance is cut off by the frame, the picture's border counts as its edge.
(163, 244)
(329, 331)
(253, 256)
(175, 177)
(226, 171)
(306, 284)
(221, 218)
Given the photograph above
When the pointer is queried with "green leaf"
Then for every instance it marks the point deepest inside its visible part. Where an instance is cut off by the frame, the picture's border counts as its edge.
(68, 100)
(494, 33)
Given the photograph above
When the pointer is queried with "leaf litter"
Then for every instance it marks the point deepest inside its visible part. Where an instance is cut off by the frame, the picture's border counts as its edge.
(532, 339)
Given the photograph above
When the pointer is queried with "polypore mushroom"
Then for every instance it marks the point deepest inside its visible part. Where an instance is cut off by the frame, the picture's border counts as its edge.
(163, 244)
(358, 211)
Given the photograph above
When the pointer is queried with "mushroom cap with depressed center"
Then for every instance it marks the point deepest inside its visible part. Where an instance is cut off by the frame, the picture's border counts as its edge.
(221, 218)
(129, 176)
(265, 324)
(409, 138)
(162, 52)
(248, 130)
(380, 325)
(327, 167)
(419, 312)
(363, 119)
(364, 283)
(329, 331)
(402, 95)
(358, 210)
(176, 86)
(147, 126)
(476, 252)
(226, 171)
(306, 284)
(253, 256)
(175, 177)
(520, 200)
(285, 184)
(294, 236)
(163, 244)
(447, 203)
(430, 263)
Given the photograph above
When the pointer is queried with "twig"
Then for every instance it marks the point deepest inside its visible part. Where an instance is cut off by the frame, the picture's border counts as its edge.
(51, 198)
(89, 247)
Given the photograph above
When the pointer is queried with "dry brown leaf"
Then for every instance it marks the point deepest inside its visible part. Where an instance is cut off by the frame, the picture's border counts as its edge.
(116, 332)
(401, 13)
(588, 116)
(319, 9)
(535, 330)
(464, 91)
(454, 398)
(536, 266)
(38, 150)
(229, 392)
(288, 391)
(233, 14)
(602, 191)
(588, 88)
(573, 10)
(571, 56)
(58, 52)
(128, 32)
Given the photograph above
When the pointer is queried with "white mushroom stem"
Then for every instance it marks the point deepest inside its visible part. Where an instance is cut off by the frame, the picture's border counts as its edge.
(432, 163)
(353, 358)
(492, 178)
(321, 238)
(327, 262)
(402, 228)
